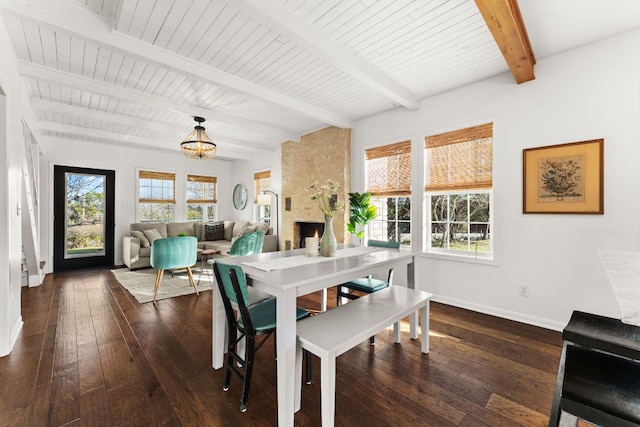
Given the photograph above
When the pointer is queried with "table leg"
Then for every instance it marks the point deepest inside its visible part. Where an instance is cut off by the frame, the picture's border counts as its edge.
(219, 328)
(413, 317)
(323, 300)
(286, 350)
(424, 315)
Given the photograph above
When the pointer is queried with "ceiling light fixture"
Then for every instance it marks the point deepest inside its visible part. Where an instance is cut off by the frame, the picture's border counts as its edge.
(198, 145)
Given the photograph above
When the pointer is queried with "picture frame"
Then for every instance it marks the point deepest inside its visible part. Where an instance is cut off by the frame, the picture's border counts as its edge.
(564, 179)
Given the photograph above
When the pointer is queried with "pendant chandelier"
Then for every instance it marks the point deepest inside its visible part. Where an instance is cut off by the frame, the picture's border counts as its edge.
(198, 145)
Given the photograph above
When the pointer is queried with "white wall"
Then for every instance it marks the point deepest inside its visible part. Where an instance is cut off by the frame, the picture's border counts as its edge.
(242, 173)
(12, 109)
(125, 162)
(588, 93)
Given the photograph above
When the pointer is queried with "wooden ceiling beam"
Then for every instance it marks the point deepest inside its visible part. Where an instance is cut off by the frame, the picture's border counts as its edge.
(507, 27)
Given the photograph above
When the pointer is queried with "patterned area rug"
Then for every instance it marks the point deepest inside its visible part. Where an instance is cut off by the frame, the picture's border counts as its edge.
(139, 283)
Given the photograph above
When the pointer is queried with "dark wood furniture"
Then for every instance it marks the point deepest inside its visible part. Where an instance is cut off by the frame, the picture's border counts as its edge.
(599, 373)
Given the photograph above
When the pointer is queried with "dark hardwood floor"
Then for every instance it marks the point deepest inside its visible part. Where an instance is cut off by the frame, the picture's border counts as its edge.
(89, 354)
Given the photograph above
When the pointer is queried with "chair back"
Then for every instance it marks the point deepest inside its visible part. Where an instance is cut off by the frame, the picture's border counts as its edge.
(247, 244)
(384, 244)
(232, 284)
(174, 252)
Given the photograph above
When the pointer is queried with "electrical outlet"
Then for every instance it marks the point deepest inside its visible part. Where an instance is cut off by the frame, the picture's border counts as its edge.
(523, 291)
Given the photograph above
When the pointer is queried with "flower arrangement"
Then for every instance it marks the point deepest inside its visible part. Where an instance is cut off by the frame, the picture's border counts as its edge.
(325, 197)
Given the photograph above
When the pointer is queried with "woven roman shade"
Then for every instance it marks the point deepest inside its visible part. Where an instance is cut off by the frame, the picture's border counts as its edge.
(389, 170)
(459, 160)
(262, 181)
(202, 189)
(157, 187)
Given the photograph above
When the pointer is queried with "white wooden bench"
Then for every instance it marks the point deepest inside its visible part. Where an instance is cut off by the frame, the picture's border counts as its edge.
(333, 332)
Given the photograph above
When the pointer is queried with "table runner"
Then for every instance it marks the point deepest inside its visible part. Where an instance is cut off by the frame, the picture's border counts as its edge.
(298, 260)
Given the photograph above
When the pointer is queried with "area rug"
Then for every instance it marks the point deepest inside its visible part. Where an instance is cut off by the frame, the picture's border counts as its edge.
(140, 283)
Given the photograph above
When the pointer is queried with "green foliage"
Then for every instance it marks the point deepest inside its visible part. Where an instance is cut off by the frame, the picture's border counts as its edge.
(182, 234)
(361, 212)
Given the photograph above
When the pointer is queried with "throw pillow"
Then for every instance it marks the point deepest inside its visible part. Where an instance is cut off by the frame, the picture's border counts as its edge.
(152, 235)
(213, 232)
(228, 230)
(144, 242)
(262, 226)
(247, 230)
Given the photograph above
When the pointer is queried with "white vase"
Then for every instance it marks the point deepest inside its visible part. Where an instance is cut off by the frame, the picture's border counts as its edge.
(328, 242)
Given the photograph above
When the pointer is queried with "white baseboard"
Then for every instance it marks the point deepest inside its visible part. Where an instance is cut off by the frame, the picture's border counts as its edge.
(505, 314)
(14, 336)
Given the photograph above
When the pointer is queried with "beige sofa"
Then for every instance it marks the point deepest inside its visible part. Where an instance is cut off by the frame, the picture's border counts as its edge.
(136, 247)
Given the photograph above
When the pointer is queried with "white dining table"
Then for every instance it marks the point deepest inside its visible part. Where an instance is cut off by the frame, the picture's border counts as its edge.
(287, 279)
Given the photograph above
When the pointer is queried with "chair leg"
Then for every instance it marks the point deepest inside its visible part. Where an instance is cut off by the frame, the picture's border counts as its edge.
(372, 340)
(231, 344)
(159, 274)
(248, 363)
(308, 374)
(193, 282)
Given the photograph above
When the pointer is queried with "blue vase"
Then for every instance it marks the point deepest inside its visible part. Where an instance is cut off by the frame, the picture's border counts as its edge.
(328, 242)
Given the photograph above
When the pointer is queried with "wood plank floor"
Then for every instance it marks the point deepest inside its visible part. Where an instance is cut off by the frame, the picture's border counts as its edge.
(89, 354)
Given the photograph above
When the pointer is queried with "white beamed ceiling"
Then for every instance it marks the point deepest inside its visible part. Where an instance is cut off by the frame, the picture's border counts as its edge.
(134, 72)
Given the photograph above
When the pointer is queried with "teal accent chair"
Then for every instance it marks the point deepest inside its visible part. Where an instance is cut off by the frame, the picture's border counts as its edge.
(247, 244)
(367, 285)
(250, 322)
(173, 253)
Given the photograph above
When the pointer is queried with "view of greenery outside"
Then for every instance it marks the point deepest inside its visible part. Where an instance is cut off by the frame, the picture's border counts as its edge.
(460, 222)
(393, 221)
(85, 215)
(264, 213)
(157, 212)
(201, 212)
(200, 198)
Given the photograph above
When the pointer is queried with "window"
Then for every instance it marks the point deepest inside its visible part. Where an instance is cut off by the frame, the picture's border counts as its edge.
(201, 198)
(156, 196)
(388, 172)
(263, 204)
(458, 189)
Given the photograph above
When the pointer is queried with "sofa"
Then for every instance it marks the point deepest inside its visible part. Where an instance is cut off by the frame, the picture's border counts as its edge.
(219, 235)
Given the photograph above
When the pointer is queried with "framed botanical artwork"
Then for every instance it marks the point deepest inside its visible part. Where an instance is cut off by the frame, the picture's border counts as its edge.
(564, 179)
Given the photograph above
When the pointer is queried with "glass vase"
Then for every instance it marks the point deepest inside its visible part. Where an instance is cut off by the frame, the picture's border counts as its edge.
(328, 242)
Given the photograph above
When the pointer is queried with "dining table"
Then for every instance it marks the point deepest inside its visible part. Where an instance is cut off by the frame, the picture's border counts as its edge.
(287, 275)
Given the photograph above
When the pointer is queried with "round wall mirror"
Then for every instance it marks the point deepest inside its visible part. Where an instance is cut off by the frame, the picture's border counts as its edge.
(239, 196)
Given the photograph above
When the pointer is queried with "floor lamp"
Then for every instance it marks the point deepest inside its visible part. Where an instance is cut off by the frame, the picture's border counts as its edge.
(267, 201)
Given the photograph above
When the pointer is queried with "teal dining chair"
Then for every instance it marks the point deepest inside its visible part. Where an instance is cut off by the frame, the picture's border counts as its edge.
(366, 285)
(174, 253)
(250, 322)
(247, 244)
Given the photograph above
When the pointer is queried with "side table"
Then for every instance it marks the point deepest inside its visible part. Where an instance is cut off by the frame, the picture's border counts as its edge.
(205, 255)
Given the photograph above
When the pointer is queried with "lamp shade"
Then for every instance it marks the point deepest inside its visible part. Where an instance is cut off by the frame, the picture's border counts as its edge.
(263, 199)
(198, 145)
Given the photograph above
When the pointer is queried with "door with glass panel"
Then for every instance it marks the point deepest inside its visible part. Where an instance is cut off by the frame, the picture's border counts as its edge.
(83, 227)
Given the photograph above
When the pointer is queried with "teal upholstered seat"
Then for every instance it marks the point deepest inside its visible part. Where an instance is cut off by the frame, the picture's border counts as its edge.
(258, 319)
(172, 253)
(367, 285)
(247, 244)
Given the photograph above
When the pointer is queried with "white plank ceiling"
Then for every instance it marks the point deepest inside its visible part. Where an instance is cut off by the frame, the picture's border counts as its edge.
(135, 72)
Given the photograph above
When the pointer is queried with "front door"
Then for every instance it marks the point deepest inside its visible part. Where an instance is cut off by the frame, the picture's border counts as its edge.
(83, 226)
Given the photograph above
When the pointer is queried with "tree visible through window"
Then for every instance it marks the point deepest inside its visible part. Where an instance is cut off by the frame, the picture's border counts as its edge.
(388, 172)
(458, 187)
(201, 197)
(262, 182)
(156, 196)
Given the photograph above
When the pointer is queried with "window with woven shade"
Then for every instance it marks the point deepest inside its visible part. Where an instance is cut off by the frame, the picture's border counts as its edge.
(156, 196)
(458, 185)
(388, 179)
(262, 182)
(201, 197)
